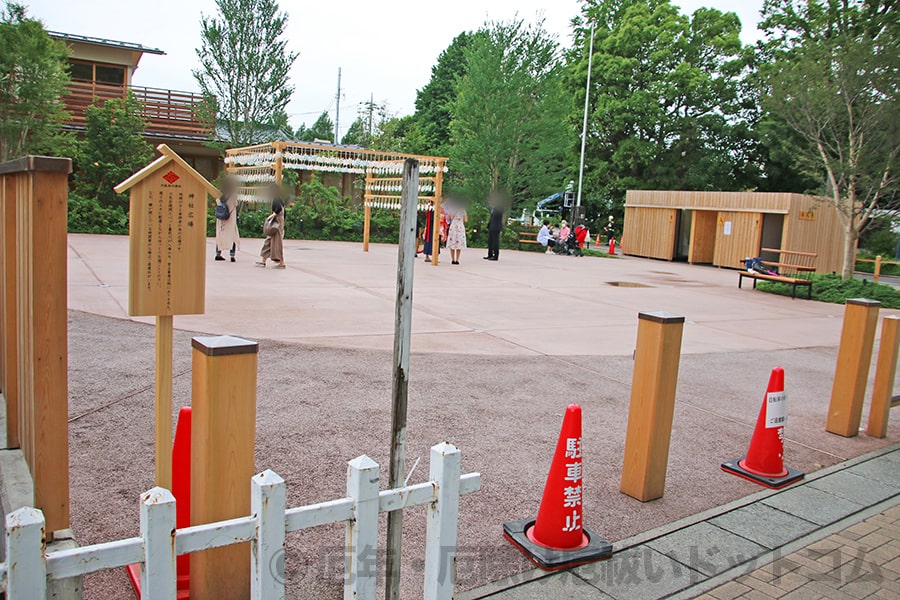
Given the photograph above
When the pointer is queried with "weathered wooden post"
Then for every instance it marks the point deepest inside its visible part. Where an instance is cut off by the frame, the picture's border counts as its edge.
(852, 371)
(655, 379)
(167, 268)
(885, 370)
(877, 272)
(223, 437)
(400, 386)
(367, 204)
(35, 193)
(438, 199)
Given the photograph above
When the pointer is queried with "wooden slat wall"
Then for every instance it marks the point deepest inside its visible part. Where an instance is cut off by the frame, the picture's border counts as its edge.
(727, 201)
(823, 235)
(744, 241)
(703, 237)
(649, 232)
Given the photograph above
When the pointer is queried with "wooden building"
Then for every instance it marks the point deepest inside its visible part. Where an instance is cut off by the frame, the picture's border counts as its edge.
(102, 69)
(724, 228)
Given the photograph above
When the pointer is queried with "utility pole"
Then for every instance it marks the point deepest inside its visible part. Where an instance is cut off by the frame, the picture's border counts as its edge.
(371, 112)
(337, 111)
(587, 99)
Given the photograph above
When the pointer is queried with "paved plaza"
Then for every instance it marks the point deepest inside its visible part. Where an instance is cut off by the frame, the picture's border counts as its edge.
(499, 350)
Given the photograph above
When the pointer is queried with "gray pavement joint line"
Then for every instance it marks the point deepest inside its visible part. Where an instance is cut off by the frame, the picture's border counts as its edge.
(756, 337)
(123, 398)
(660, 531)
(791, 547)
(100, 282)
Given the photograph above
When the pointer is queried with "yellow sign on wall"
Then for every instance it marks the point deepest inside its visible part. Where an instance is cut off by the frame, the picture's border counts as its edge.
(807, 215)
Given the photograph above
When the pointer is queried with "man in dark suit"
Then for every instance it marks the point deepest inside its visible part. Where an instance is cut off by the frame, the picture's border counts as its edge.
(495, 226)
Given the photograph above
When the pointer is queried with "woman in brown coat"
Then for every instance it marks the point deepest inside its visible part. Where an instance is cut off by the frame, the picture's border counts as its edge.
(273, 247)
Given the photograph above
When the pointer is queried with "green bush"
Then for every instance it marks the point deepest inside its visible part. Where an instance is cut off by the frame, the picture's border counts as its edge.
(869, 267)
(831, 288)
(86, 215)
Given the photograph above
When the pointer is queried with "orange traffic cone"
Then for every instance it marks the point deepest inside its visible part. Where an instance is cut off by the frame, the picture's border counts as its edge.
(558, 539)
(612, 246)
(764, 463)
(181, 489)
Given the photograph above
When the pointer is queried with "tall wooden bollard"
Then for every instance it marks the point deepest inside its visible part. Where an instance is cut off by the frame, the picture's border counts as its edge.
(885, 369)
(656, 361)
(222, 443)
(852, 371)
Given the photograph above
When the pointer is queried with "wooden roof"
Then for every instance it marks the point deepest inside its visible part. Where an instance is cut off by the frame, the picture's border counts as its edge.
(168, 155)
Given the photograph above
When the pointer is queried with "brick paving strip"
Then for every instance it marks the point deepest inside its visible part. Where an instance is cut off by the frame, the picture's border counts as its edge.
(836, 535)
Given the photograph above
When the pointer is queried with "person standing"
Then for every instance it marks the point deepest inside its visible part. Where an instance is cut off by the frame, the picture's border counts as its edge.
(456, 232)
(227, 236)
(273, 247)
(495, 227)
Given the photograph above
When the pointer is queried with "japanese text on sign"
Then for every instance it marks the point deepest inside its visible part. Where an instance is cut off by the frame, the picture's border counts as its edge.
(776, 409)
(572, 494)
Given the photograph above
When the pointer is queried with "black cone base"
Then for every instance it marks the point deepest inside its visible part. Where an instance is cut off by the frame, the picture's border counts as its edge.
(553, 560)
(775, 483)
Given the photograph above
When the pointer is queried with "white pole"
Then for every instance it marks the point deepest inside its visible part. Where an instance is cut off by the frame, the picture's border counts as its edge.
(587, 98)
(337, 111)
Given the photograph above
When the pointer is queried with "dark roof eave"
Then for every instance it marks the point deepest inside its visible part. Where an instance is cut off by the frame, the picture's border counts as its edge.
(84, 39)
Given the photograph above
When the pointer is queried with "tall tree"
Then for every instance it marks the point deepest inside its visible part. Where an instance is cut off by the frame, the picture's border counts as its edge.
(669, 106)
(322, 129)
(356, 133)
(244, 67)
(508, 128)
(833, 78)
(33, 79)
(433, 102)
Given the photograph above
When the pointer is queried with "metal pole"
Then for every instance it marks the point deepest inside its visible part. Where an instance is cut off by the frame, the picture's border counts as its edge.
(587, 98)
(402, 330)
(337, 111)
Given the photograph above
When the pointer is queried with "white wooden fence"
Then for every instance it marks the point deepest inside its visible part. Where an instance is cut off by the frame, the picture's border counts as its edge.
(27, 568)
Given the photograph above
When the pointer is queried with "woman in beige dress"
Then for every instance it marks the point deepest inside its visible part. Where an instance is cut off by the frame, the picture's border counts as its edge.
(227, 236)
(273, 247)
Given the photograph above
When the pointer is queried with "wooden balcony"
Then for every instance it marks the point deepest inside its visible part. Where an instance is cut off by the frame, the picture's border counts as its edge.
(167, 112)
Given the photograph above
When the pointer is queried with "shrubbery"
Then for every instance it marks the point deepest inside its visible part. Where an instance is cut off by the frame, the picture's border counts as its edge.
(831, 288)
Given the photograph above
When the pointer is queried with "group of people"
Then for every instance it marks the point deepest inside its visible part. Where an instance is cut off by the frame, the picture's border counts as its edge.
(228, 237)
(562, 239)
(452, 230)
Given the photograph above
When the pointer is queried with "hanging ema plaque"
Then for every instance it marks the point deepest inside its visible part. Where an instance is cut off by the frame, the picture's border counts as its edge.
(167, 235)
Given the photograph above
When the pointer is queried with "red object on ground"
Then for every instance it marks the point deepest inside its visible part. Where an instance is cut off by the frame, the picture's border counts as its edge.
(181, 489)
(580, 235)
(612, 246)
(765, 457)
(559, 521)
(764, 462)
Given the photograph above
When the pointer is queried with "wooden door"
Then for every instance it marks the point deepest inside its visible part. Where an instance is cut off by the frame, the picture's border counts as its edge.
(703, 237)
(738, 236)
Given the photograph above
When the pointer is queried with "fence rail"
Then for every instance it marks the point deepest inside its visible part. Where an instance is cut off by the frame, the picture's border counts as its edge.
(265, 528)
(876, 272)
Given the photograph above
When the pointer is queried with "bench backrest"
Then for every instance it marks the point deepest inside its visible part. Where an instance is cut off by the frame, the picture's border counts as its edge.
(791, 259)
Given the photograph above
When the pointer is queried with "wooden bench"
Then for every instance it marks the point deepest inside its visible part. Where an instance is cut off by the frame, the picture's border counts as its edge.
(794, 268)
(528, 237)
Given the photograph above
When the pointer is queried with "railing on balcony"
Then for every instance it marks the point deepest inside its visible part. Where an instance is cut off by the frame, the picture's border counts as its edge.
(166, 111)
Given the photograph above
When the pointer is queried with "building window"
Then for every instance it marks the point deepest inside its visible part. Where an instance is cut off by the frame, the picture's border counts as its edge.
(107, 74)
(81, 71)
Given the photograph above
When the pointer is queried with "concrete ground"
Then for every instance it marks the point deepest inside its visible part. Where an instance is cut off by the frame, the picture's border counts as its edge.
(499, 349)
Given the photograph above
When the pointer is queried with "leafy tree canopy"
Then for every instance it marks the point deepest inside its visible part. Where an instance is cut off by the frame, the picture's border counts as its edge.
(322, 129)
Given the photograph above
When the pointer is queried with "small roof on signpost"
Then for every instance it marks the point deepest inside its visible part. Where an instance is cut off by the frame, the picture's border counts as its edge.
(168, 155)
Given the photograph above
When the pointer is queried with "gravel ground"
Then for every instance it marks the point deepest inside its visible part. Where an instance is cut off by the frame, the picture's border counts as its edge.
(318, 407)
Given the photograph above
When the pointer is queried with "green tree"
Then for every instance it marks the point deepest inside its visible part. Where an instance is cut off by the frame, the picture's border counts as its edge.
(433, 102)
(833, 78)
(322, 129)
(669, 102)
(244, 67)
(508, 128)
(356, 134)
(113, 149)
(33, 79)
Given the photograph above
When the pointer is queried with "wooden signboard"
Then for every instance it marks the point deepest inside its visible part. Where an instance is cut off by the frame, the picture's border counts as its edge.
(167, 268)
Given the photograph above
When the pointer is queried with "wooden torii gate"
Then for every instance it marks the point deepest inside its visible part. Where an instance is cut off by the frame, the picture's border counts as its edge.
(255, 165)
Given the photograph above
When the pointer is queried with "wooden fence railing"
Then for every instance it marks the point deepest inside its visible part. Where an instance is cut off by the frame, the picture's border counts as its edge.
(166, 111)
(265, 528)
(876, 271)
(33, 321)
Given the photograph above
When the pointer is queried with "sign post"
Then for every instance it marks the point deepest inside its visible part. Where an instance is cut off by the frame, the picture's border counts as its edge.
(167, 268)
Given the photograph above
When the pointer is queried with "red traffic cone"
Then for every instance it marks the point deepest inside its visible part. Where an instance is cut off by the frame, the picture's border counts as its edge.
(764, 463)
(181, 489)
(612, 246)
(558, 539)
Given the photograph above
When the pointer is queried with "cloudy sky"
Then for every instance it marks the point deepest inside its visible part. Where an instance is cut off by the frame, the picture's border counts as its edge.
(383, 48)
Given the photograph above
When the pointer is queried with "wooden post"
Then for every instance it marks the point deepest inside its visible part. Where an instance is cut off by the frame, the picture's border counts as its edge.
(400, 385)
(438, 198)
(41, 320)
(441, 528)
(163, 412)
(268, 504)
(158, 531)
(852, 371)
(652, 407)
(367, 203)
(27, 577)
(885, 370)
(8, 300)
(361, 537)
(877, 272)
(222, 444)
(279, 161)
